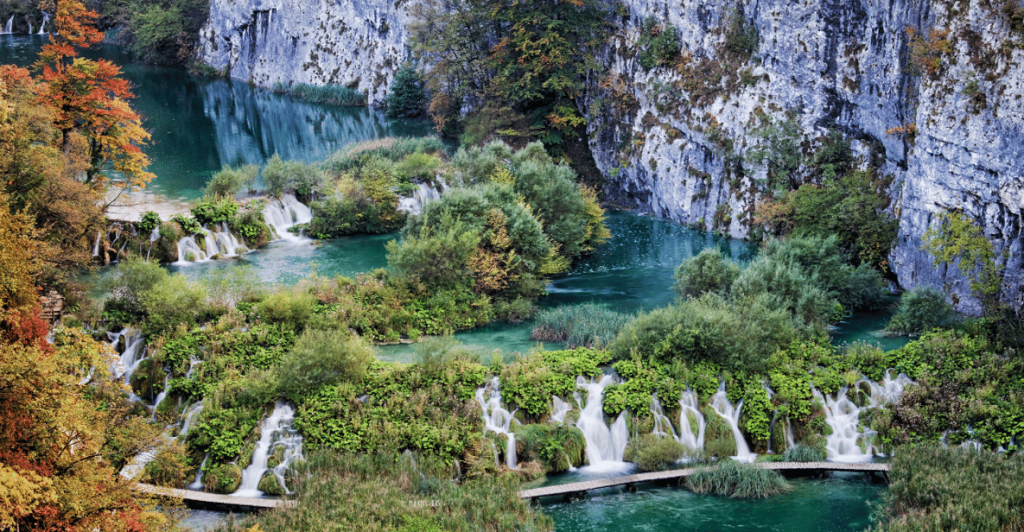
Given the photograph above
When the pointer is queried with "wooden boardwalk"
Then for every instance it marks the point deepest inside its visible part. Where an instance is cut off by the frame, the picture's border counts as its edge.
(202, 499)
(661, 476)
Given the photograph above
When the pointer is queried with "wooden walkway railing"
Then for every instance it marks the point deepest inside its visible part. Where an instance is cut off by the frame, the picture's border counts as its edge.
(661, 476)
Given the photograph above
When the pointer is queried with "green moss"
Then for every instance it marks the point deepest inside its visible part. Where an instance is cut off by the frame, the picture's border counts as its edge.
(222, 478)
(718, 438)
(271, 485)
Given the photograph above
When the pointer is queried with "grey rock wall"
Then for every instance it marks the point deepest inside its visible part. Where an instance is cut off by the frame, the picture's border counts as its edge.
(672, 140)
(356, 43)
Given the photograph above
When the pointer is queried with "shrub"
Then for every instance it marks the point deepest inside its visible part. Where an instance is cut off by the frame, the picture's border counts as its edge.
(406, 98)
(292, 308)
(803, 453)
(218, 210)
(171, 466)
(280, 176)
(654, 453)
(127, 284)
(323, 357)
(172, 302)
(742, 37)
(741, 481)
(228, 181)
(227, 287)
(657, 43)
(826, 264)
(150, 221)
(933, 488)
(587, 325)
(707, 272)
(921, 309)
(389, 148)
(418, 165)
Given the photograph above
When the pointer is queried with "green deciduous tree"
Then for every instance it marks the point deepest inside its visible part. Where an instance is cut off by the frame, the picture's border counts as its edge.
(957, 238)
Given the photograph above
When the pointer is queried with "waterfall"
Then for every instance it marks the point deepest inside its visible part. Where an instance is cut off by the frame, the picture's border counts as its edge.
(414, 205)
(46, 18)
(496, 418)
(720, 402)
(849, 442)
(688, 405)
(198, 483)
(190, 414)
(603, 445)
(161, 396)
(9, 26)
(96, 245)
(276, 431)
(129, 360)
(790, 440)
(285, 212)
(561, 408)
(771, 427)
(662, 425)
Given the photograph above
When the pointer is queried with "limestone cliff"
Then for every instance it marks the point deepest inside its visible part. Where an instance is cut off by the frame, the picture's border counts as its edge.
(673, 139)
(355, 43)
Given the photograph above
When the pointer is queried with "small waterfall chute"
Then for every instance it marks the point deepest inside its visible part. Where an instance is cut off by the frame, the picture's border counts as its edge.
(423, 194)
(42, 27)
(9, 26)
(720, 403)
(197, 484)
(690, 407)
(561, 408)
(286, 212)
(276, 430)
(605, 446)
(497, 419)
(662, 424)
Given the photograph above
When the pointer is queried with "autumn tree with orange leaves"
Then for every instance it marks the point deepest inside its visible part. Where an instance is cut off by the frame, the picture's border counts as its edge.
(89, 100)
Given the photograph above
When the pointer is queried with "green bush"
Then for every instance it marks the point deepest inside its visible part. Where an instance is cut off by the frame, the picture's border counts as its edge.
(280, 176)
(826, 264)
(228, 181)
(222, 478)
(587, 325)
(170, 467)
(389, 148)
(128, 283)
(933, 488)
(292, 308)
(709, 271)
(654, 453)
(921, 309)
(406, 98)
(657, 43)
(742, 37)
(319, 358)
(172, 302)
(741, 481)
(217, 210)
(150, 221)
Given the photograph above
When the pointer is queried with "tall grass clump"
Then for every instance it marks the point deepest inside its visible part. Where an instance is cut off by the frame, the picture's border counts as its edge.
(654, 453)
(374, 493)
(586, 325)
(803, 453)
(330, 94)
(740, 481)
(934, 488)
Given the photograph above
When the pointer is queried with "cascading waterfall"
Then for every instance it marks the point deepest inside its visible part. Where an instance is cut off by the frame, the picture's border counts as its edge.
(662, 424)
(496, 418)
(690, 407)
(285, 212)
(414, 205)
(133, 353)
(790, 440)
(42, 27)
(190, 415)
(604, 445)
(720, 403)
(561, 408)
(197, 484)
(276, 431)
(849, 441)
(161, 396)
(96, 245)
(9, 26)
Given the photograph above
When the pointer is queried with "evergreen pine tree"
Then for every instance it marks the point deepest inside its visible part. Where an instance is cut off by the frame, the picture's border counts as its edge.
(406, 98)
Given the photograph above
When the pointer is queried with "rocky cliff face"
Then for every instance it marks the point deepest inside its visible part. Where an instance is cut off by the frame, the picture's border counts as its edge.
(355, 43)
(673, 140)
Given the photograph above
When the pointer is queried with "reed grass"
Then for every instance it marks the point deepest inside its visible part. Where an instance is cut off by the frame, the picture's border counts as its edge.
(740, 481)
(586, 325)
(388, 148)
(933, 488)
(370, 493)
(803, 453)
(329, 94)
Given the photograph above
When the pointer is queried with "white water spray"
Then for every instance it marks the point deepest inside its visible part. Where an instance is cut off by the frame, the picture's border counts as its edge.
(720, 402)
(604, 445)
(689, 407)
(496, 418)
(276, 431)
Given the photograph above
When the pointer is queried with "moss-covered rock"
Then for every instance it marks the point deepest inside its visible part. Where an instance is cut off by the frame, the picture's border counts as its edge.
(554, 447)
(718, 438)
(276, 456)
(778, 436)
(271, 485)
(222, 478)
(654, 453)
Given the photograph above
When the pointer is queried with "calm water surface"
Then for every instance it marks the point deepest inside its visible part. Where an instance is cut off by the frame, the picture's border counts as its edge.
(200, 124)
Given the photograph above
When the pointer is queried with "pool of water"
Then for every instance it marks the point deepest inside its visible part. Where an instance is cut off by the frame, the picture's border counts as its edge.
(200, 124)
(837, 503)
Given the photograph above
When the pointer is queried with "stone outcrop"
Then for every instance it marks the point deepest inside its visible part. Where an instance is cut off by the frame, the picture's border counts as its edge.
(354, 43)
(674, 140)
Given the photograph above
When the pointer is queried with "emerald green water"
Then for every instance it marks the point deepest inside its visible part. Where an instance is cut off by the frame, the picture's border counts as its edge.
(833, 504)
(199, 124)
